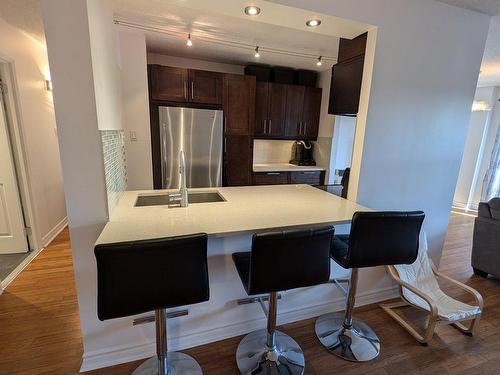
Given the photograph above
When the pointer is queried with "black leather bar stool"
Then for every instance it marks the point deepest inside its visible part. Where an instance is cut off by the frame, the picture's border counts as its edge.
(140, 276)
(280, 261)
(375, 239)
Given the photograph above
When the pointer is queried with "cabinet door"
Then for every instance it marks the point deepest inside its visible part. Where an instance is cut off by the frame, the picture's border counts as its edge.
(307, 177)
(270, 178)
(169, 84)
(310, 113)
(238, 160)
(239, 104)
(261, 108)
(277, 110)
(293, 109)
(205, 87)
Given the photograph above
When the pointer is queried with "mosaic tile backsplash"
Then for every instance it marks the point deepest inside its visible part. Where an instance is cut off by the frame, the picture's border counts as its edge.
(115, 166)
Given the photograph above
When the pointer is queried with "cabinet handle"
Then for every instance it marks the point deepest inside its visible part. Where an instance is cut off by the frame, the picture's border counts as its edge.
(270, 126)
(304, 128)
(185, 90)
(192, 89)
(265, 124)
(300, 127)
(273, 173)
(309, 172)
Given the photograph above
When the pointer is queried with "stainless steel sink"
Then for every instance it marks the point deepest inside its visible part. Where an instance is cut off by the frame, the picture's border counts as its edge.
(166, 200)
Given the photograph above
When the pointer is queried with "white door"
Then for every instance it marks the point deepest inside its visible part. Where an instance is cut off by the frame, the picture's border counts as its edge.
(12, 235)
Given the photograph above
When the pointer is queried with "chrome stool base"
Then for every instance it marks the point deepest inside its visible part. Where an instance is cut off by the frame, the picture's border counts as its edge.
(254, 357)
(358, 343)
(179, 363)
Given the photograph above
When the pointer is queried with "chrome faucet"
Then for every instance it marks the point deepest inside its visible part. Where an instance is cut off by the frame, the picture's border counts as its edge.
(182, 195)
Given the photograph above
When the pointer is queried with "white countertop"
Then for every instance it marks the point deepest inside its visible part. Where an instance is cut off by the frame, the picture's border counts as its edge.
(247, 208)
(284, 167)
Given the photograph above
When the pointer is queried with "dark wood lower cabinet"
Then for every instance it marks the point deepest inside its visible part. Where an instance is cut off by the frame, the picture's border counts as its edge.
(238, 160)
(270, 178)
(295, 177)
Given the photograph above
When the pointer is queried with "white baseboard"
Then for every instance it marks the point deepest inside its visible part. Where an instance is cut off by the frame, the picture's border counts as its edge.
(49, 237)
(117, 355)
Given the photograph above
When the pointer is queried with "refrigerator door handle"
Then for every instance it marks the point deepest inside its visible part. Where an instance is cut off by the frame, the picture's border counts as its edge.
(164, 155)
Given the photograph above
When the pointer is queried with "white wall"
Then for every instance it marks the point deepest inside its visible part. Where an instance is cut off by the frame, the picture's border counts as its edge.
(36, 122)
(343, 141)
(135, 100)
(71, 64)
(105, 64)
(469, 184)
(426, 65)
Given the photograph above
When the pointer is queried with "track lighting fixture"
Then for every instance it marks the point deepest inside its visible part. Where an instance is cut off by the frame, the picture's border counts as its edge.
(319, 62)
(189, 42)
(257, 54)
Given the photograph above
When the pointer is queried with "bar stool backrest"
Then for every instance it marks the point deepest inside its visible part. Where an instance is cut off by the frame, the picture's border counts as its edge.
(140, 276)
(384, 238)
(290, 259)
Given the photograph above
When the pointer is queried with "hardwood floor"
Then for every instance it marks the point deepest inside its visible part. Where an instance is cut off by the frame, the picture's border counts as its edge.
(40, 334)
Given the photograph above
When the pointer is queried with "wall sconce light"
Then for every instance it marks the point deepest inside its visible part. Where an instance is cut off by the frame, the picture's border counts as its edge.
(48, 85)
(481, 105)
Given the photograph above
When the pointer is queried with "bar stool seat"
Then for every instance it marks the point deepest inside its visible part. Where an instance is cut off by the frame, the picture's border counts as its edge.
(152, 275)
(279, 261)
(375, 239)
(340, 249)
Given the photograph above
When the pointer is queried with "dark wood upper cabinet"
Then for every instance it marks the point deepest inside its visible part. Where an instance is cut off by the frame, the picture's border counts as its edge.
(349, 48)
(169, 84)
(239, 104)
(345, 88)
(185, 85)
(270, 110)
(347, 75)
(311, 113)
(293, 109)
(261, 108)
(205, 87)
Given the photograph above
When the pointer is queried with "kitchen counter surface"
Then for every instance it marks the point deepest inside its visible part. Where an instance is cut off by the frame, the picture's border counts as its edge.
(246, 209)
(284, 167)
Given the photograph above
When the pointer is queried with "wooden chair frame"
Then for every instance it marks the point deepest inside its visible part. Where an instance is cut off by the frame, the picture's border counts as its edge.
(433, 319)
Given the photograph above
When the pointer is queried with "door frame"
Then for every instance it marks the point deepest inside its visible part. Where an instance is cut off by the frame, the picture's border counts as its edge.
(18, 146)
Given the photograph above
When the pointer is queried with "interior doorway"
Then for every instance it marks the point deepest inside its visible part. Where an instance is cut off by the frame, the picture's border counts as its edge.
(15, 232)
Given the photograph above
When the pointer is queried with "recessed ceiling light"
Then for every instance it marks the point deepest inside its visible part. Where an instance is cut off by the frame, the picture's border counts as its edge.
(252, 10)
(313, 23)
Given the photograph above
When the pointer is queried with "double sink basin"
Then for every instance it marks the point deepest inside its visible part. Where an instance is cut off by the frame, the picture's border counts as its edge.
(167, 200)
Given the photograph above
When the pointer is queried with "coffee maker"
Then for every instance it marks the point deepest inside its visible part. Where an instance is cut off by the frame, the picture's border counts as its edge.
(302, 153)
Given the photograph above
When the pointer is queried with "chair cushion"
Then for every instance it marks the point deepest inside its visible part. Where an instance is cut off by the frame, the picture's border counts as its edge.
(494, 204)
(242, 263)
(340, 249)
(483, 210)
(421, 276)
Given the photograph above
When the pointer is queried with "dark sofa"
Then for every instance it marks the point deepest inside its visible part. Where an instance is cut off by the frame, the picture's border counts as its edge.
(486, 241)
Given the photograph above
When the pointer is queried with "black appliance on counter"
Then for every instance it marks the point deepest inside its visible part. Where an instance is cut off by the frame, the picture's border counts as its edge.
(302, 153)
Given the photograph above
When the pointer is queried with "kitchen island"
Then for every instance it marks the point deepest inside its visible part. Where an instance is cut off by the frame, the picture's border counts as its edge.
(230, 224)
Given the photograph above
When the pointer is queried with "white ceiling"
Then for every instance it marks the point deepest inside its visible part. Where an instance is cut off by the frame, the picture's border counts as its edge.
(491, 7)
(24, 15)
(286, 31)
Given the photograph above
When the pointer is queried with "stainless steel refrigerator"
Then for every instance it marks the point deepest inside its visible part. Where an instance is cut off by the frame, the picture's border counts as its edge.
(199, 133)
